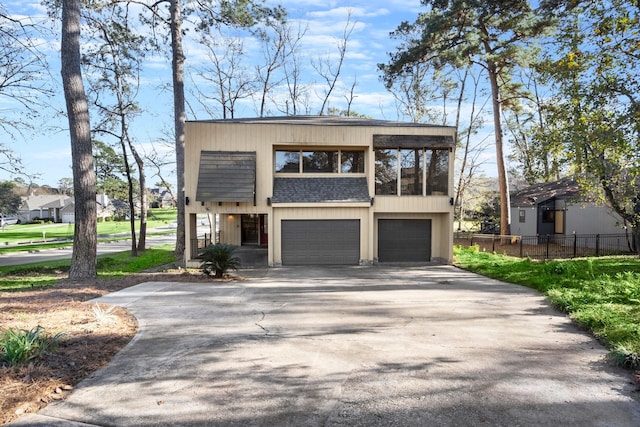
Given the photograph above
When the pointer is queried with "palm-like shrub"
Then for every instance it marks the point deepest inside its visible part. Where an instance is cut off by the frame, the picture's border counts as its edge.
(218, 259)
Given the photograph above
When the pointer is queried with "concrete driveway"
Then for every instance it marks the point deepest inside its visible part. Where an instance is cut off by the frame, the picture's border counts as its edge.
(350, 346)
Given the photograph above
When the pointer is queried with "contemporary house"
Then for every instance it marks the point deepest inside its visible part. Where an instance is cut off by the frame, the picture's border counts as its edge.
(322, 189)
(559, 208)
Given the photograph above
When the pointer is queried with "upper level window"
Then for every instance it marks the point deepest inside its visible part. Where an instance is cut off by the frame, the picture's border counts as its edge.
(411, 172)
(288, 161)
(421, 171)
(319, 161)
(352, 161)
(387, 172)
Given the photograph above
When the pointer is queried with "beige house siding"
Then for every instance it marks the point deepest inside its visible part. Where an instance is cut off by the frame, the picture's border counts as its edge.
(264, 138)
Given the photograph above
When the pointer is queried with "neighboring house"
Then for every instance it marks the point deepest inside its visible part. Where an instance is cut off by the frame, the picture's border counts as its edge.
(322, 189)
(42, 207)
(58, 208)
(104, 208)
(161, 198)
(558, 208)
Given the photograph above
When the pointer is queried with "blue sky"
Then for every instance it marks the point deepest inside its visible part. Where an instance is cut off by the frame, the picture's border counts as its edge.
(47, 151)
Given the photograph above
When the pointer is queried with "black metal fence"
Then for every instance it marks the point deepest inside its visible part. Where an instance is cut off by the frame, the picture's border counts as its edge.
(551, 246)
(198, 244)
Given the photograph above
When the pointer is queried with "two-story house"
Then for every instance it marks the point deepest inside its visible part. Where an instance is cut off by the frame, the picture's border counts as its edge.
(323, 189)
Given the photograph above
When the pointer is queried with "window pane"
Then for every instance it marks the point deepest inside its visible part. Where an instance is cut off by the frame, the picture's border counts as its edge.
(386, 172)
(288, 161)
(352, 162)
(411, 172)
(320, 161)
(437, 164)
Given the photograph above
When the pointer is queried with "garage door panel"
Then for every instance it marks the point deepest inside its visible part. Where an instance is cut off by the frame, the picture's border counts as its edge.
(404, 240)
(320, 242)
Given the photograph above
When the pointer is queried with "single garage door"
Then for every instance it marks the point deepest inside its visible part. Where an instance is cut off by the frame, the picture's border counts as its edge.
(315, 242)
(404, 240)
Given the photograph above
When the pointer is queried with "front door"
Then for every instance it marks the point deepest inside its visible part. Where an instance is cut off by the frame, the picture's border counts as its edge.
(249, 224)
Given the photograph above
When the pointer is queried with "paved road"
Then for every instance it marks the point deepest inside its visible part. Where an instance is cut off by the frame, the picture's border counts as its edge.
(17, 258)
(351, 346)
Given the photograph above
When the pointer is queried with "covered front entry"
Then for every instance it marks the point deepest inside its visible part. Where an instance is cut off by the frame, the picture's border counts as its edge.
(404, 240)
(321, 242)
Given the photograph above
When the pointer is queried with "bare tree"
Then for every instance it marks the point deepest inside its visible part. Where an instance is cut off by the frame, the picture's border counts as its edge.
(23, 83)
(298, 94)
(228, 77)
(83, 258)
(328, 69)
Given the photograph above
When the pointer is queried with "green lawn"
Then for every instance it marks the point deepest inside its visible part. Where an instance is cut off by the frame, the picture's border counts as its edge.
(116, 265)
(600, 294)
(24, 233)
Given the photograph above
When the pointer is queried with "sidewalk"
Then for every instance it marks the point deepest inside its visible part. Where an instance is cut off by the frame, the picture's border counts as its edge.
(349, 346)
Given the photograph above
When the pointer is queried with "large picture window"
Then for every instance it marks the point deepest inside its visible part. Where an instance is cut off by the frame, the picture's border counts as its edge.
(422, 171)
(288, 161)
(352, 161)
(387, 172)
(411, 172)
(437, 164)
(319, 161)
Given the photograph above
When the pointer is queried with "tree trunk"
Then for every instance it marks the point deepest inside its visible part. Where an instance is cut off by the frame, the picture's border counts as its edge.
(503, 185)
(177, 65)
(83, 259)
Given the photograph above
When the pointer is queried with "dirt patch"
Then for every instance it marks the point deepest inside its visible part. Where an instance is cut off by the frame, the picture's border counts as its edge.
(93, 334)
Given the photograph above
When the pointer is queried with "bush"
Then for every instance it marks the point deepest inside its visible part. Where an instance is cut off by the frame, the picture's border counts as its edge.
(218, 259)
(21, 345)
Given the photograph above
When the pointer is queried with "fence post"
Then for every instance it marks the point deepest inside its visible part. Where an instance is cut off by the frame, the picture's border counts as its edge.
(575, 245)
(493, 243)
(548, 241)
(597, 244)
(521, 240)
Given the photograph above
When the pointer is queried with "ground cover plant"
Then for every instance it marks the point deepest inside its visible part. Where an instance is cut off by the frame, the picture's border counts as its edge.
(38, 302)
(600, 294)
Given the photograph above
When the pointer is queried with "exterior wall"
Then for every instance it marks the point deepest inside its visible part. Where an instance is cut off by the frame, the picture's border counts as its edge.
(264, 138)
(527, 228)
(589, 218)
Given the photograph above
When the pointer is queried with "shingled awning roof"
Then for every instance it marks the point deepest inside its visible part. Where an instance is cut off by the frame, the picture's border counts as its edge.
(320, 190)
(227, 176)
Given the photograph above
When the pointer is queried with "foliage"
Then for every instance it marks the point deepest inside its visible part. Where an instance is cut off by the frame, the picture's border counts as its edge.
(22, 345)
(217, 259)
(594, 72)
(9, 200)
(600, 294)
(494, 35)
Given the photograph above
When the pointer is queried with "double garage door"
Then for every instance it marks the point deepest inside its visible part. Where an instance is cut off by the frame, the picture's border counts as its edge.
(321, 242)
(337, 242)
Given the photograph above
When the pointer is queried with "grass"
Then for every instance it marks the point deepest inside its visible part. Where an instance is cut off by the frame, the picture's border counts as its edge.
(602, 295)
(42, 274)
(31, 236)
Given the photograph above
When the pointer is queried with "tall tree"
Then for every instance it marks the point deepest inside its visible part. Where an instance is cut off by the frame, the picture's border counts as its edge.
(83, 258)
(489, 34)
(595, 71)
(114, 63)
(207, 15)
